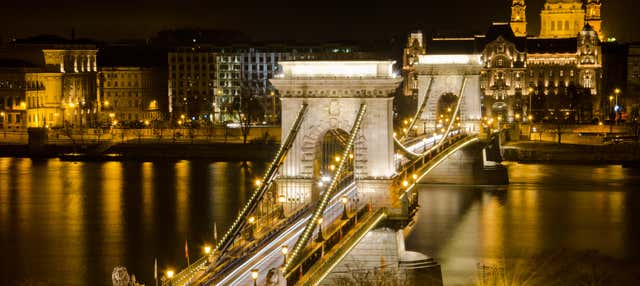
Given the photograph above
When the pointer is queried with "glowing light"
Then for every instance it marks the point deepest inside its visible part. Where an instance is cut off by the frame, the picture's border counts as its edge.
(207, 249)
(106, 103)
(351, 156)
(337, 158)
(448, 59)
(320, 220)
(337, 69)
(170, 274)
(252, 219)
(332, 167)
(344, 200)
(112, 115)
(405, 183)
(285, 249)
(254, 274)
(258, 182)
(146, 122)
(414, 176)
(326, 179)
(282, 199)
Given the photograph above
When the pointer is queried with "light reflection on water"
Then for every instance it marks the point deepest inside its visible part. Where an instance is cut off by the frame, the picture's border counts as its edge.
(68, 223)
(545, 208)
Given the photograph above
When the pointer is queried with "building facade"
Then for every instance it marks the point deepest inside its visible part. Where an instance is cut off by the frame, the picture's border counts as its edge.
(130, 95)
(45, 83)
(559, 71)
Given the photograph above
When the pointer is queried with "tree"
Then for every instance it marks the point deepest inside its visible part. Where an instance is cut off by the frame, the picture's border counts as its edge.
(249, 111)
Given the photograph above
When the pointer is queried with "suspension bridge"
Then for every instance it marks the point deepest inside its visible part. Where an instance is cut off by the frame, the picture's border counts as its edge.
(342, 173)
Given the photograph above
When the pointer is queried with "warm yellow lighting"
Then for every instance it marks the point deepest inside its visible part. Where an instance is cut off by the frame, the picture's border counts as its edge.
(406, 122)
(112, 115)
(517, 116)
(530, 117)
(207, 249)
(394, 134)
(447, 59)
(2, 113)
(600, 123)
(285, 249)
(252, 219)
(146, 122)
(71, 105)
(611, 98)
(337, 158)
(179, 122)
(320, 220)
(351, 156)
(115, 122)
(254, 274)
(282, 199)
(448, 109)
(404, 130)
(414, 176)
(336, 69)
(344, 200)
(170, 274)
(332, 167)
(405, 183)
(258, 182)
(106, 103)
(617, 91)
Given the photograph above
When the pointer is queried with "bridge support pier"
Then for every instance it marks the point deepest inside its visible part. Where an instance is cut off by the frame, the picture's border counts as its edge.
(381, 254)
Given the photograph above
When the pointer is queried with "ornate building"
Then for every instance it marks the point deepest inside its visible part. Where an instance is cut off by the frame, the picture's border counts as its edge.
(559, 71)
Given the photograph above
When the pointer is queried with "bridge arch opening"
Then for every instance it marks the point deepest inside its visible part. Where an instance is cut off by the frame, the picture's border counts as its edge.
(328, 155)
(445, 108)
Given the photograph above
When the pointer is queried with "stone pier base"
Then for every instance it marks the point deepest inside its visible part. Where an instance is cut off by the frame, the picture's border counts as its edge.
(381, 256)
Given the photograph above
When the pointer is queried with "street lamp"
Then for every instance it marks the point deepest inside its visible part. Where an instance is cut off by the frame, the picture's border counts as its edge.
(252, 223)
(207, 249)
(344, 200)
(254, 276)
(320, 238)
(611, 114)
(282, 200)
(273, 105)
(285, 250)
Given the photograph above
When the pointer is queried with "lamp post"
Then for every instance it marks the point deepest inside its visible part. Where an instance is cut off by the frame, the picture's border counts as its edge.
(282, 200)
(254, 276)
(344, 200)
(285, 251)
(320, 238)
(273, 106)
(252, 225)
(610, 114)
(169, 275)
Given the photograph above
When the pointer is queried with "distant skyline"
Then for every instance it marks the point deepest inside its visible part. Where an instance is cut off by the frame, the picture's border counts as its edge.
(282, 20)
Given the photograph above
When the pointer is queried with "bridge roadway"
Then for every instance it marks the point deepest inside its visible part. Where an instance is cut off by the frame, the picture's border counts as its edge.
(270, 256)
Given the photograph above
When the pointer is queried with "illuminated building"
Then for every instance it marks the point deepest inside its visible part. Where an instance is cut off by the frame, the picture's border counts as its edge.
(633, 73)
(130, 94)
(51, 82)
(518, 69)
(207, 82)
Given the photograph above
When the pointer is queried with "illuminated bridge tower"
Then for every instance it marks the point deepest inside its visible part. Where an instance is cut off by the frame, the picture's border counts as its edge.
(442, 78)
(335, 91)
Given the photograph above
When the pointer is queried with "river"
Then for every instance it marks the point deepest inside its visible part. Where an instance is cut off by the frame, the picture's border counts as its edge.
(68, 223)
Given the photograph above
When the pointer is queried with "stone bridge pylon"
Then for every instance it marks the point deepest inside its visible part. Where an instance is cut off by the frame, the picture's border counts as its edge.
(334, 92)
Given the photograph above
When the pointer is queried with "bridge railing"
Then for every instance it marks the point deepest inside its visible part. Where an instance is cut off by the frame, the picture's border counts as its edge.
(325, 242)
(239, 255)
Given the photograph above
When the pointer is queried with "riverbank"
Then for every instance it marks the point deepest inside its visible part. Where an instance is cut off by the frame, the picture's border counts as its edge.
(547, 152)
(146, 151)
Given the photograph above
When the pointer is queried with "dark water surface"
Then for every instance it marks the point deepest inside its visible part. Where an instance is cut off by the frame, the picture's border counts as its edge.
(70, 223)
(67, 223)
(546, 208)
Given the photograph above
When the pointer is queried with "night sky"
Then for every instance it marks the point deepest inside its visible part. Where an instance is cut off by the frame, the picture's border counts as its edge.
(281, 20)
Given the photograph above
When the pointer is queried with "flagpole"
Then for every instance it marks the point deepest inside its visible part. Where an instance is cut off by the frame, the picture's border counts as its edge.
(155, 271)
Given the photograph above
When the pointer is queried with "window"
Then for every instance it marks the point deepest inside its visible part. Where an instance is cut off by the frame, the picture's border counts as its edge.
(566, 25)
(553, 25)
